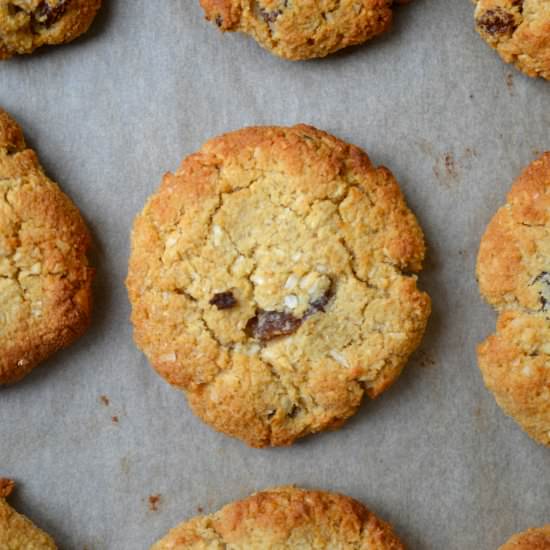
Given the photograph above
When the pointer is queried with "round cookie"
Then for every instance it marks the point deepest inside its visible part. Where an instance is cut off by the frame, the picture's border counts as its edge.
(285, 517)
(16, 531)
(45, 281)
(514, 276)
(305, 29)
(519, 30)
(26, 25)
(532, 539)
(271, 279)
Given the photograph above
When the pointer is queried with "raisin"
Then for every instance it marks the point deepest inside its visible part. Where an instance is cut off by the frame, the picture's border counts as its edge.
(223, 300)
(319, 304)
(497, 22)
(267, 325)
(47, 15)
(219, 21)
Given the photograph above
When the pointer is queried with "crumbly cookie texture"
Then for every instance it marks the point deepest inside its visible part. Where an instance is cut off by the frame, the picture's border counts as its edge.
(302, 29)
(514, 276)
(285, 517)
(519, 30)
(532, 539)
(26, 25)
(16, 531)
(45, 280)
(270, 279)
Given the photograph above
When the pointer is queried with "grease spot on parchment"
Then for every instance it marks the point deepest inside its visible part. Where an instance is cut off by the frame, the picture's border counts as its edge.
(449, 167)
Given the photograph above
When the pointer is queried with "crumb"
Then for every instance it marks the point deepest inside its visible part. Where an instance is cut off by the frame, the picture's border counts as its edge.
(200, 510)
(154, 501)
(114, 419)
(104, 400)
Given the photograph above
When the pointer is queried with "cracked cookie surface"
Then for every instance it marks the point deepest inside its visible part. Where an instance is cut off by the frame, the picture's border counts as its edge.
(519, 30)
(16, 531)
(302, 29)
(270, 279)
(285, 517)
(532, 539)
(26, 25)
(514, 276)
(45, 280)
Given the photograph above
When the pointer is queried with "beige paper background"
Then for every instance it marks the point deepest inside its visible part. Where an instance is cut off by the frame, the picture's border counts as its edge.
(113, 111)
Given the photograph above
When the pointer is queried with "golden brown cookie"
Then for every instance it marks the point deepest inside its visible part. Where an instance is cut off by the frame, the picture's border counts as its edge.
(28, 24)
(519, 30)
(271, 279)
(285, 518)
(16, 531)
(514, 276)
(305, 29)
(532, 539)
(45, 280)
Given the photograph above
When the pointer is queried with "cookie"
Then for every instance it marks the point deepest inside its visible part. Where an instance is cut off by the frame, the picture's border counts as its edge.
(285, 517)
(16, 531)
(45, 280)
(305, 29)
(514, 276)
(272, 279)
(532, 539)
(519, 30)
(26, 25)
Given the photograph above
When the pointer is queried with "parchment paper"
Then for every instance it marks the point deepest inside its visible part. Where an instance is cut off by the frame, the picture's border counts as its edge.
(148, 85)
